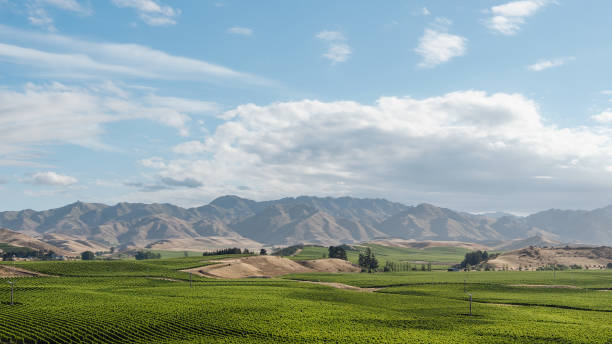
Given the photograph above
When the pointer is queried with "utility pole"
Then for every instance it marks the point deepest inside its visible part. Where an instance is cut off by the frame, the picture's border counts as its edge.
(11, 283)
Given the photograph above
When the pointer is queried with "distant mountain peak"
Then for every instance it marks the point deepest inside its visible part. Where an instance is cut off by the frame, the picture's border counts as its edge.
(228, 201)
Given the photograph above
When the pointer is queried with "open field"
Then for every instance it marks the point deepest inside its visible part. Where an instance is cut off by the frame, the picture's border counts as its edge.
(441, 255)
(151, 301)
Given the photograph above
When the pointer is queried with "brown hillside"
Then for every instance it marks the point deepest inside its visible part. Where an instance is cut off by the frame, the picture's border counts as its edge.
(22, 240)
(270, 266)
(531, 258)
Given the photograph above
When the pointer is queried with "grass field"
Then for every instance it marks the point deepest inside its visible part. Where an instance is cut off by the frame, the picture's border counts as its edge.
(444, 256)
(127, 302)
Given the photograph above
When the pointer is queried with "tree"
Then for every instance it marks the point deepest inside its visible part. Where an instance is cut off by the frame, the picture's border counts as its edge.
(367, 260)
(337, 252)
(263, 252)
(475, 258)
(140, 255)
(88, 255)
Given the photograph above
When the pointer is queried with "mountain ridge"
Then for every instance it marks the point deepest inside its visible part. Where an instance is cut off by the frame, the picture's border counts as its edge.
(303, 219)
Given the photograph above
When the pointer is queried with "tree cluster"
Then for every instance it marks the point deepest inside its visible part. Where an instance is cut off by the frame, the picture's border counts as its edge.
(337, 252)
(42, 254)
(140, 255)
(233, 250)
(367, 260)
(288, 251)
(474, 258)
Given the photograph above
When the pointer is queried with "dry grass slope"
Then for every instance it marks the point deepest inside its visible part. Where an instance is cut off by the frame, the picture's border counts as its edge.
(270, 266)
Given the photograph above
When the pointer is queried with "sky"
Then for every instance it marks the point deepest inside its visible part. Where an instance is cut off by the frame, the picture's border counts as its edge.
(473, 105)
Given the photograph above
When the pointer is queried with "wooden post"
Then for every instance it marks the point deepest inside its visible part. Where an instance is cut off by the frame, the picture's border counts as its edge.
(470, 304)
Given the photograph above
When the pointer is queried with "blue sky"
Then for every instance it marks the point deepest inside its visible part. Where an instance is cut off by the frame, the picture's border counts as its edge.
(473, 105)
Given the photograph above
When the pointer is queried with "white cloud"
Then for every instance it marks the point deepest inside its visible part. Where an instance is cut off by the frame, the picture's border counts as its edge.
(542, 177)
(58, 114)
(508, 18)
(331, 36)
(64, 56)
(603, 117)
(471, 145)
(243, 31)
(606, 92)
(67, 5)
(51, 178)
(546, 64)
(38, 15)
(337, 50)
(190, 148)
(425, 11)
(151, 11)
(437, 47)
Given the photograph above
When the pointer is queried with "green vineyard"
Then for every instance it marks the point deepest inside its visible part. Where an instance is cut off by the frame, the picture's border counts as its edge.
(152, 302)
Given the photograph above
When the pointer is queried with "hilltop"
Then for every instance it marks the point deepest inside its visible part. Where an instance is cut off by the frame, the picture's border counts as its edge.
(531, 258)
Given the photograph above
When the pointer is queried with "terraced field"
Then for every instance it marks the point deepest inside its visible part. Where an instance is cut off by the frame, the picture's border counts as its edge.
(151, 302)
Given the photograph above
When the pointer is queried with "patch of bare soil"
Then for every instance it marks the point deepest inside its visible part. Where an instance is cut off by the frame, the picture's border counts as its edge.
(269, 266)
(343, 286)
(553, 286)
(330, 265)
(9, 271)
(165, 279)
(298, 251)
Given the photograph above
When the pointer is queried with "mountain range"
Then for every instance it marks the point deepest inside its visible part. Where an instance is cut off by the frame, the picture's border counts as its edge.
(231, 220)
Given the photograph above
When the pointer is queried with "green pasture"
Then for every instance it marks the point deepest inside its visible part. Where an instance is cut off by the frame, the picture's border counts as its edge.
(129, 302)
(443, 256)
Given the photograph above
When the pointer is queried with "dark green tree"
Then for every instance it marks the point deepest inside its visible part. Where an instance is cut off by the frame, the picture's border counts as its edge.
(367, 260)
(263, 252)
(474, 258)
(337, 252)
(88, 255)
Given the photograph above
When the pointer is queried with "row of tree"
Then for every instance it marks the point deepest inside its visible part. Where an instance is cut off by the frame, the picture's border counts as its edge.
(400, 267)
(141, 255)
(233, 250)
(41, 255)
